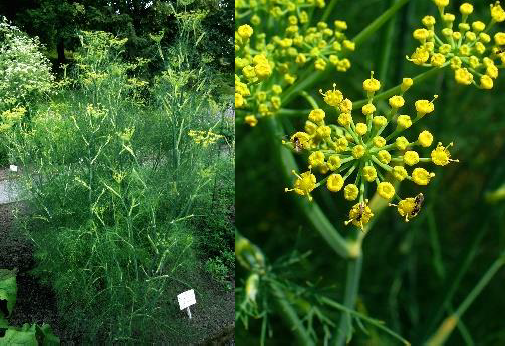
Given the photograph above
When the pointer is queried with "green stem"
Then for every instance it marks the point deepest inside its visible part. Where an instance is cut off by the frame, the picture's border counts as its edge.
(328, 10)
(344, 329)
(448, 325)
(453, 281)
(376, 24)
(397, 89)
(386, 51)
(291, 315)
(311, 210)
(310, 77)
(288, 112)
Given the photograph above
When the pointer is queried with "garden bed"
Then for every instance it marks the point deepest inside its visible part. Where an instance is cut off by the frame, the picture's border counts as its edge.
(36, 303)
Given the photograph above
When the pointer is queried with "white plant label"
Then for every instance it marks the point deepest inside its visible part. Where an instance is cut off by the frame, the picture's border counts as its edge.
(186, 299)
(13, 168)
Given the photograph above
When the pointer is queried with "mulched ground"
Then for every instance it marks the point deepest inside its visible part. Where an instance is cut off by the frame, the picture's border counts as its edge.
(37, 303)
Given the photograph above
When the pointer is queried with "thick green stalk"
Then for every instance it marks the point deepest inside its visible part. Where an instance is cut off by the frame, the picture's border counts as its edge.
(291, 316)
(376, 24)
(344, 329)
(448, 325)
(397, 89)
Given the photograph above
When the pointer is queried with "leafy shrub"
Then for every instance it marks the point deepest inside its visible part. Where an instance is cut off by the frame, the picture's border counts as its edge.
(24, 71)
(114, 182)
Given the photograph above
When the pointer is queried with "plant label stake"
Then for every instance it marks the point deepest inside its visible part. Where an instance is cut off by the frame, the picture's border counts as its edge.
(13, 168)
(186, 299)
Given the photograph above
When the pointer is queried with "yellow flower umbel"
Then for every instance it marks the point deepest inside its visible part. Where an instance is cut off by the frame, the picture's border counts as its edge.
(205, 138)
(466, 47)
(274, 41)
(358, 158)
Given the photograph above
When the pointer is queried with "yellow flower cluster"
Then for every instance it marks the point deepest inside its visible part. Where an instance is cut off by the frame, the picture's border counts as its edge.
(11, 117)
(467, 47)
(205, 138)
(273, 42)
(362, 148)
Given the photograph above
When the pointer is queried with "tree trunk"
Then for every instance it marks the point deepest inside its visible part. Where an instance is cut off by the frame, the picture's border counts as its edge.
(60, 48)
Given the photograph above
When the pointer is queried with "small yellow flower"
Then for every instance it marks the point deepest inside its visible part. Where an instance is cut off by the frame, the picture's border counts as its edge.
(361, 129)
(402, 143)
(360, 214)
(251, 120)
(344, 119)
(384, 156)
(478, 26)
(421, 34)
(400, 173)
(368, 109)
(263, 70)
(406, 84)
(406, 208)
(380, 121)
(371, 84)
(333, 162)
(304, 184)
(341, 144)
(277, 89)
(441, 155)
(486, 82)
(245, 31)
(345, 106)
(249, 73)
(462, 76)
(239, 100)
(379, 141)
(358, 151)
(449, 18)
(499, 38)
(437, 59)
(396, 101)
(425, 139)
(369, 173)
(332, 97)
(320, 64)
(340, 25)
(492, 71)
(411, 158)
(497, 12)
(348, 45)
(335, 182)
(445, 49)
(350, 192)
(302, 138)
(316, 159)
(429, 21)
(404, 121)
(421, 176)
(420, 56)
(441, 3)
(316, 115)
(484, 37)
(424, 107)
(386, 190)
(466, 9)
(456, 63)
